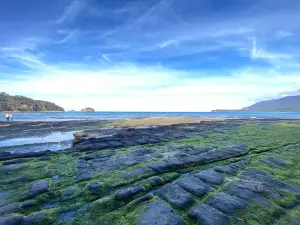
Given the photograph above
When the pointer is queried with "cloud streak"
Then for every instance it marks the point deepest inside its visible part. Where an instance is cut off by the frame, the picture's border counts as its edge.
(166, 44)
(71, 11)
(69, 36)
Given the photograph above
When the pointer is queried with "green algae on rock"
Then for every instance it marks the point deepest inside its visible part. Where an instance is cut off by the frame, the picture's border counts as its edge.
(226, 172)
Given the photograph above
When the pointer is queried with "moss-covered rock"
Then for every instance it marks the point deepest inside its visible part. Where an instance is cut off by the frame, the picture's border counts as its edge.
(179, 169)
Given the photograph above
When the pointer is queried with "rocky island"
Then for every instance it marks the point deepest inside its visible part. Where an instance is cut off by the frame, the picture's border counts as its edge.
(89, 109)
(19, 103)
(205, 172)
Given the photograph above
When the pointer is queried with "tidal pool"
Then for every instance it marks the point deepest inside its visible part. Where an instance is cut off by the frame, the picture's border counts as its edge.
(54, 141)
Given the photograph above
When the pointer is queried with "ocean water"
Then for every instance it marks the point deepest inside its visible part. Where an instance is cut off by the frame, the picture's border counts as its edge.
(63, 116)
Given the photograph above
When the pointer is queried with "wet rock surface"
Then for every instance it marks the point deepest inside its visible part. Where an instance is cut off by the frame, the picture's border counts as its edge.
(94, 187)
(28, 204)
(226, 203)
(242, 190)
(18, 178)
(38, 187)
(273, 160)
(194, 186)
(12, 220)
(37, 218)
(233, 168)
(207, 215)
(9, 209)
(129, 193)
(210, 177)
(159, 213)
(230, 172)
(176, 196)
(13, 167)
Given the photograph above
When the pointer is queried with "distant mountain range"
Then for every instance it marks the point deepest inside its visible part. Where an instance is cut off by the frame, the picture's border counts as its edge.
(24, 104)
(286, 104)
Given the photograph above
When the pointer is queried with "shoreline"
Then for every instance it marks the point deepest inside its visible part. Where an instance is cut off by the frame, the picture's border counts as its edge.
(116, 116)
(17, 130)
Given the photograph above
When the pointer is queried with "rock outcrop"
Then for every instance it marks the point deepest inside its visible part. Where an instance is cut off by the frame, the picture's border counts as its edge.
(88, 110)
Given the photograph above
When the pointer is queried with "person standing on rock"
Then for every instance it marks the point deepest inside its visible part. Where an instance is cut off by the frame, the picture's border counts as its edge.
(7, 117)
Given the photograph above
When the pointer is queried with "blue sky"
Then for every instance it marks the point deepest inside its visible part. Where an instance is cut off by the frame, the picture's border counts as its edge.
(154, 55)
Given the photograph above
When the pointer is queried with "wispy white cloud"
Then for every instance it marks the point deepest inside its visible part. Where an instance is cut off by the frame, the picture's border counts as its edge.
(71, 11)
(284, 34)
(167, 43)
(26, 55)
(210, 32)
(69, 35)
(275, 58)
(106, 58)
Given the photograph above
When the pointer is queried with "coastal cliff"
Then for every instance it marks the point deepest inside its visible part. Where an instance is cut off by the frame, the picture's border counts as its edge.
(23, 104)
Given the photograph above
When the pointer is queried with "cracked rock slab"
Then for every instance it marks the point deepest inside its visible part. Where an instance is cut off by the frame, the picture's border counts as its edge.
(273, 160)
(159, 213)
(129, 193)
(176, 196)
(194, 185)
(207, 215)
(241, 190)
(210, 177)
(226, 203)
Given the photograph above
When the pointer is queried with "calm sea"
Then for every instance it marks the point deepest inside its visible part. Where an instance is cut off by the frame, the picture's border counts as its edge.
(62, 116)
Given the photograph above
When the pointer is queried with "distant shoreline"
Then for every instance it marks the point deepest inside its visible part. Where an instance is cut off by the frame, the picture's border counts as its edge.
(212, 111)
(245, 111)
(72, 116)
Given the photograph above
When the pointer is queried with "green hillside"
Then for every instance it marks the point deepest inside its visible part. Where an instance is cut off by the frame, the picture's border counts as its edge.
(21, 103)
